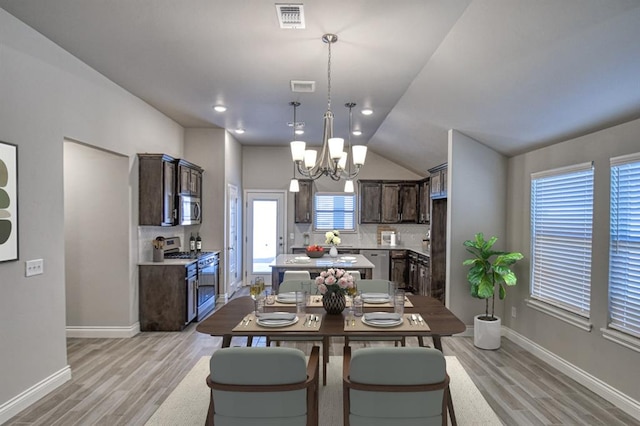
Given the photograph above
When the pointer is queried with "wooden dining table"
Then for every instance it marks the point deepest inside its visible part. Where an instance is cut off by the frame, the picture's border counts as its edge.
(441, 323)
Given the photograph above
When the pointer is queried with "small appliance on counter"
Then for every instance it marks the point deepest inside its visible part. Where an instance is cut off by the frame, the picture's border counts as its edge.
(388, 238)
(158, 249)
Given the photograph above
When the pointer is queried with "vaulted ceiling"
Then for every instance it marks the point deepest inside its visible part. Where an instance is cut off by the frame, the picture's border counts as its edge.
(513, 74)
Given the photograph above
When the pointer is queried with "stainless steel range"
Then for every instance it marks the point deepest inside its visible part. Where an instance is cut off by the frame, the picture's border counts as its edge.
(202, 296)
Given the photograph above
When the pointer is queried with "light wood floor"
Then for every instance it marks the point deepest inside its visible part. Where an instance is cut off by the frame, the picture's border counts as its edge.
(123, 381)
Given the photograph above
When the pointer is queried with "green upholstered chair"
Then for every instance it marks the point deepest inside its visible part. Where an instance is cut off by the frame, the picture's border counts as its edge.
(355, 274)
(263, 386)
(394, 386)
(310, 287)
(296, 275)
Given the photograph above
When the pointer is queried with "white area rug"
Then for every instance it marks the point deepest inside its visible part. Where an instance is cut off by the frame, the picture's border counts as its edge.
(187, 405)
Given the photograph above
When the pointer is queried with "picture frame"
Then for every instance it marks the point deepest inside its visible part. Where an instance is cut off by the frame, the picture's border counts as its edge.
(8, 202)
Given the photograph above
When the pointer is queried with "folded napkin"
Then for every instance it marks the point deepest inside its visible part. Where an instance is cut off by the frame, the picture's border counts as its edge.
(287, 296)
(375, 296)
(277, 316)
(381, 316)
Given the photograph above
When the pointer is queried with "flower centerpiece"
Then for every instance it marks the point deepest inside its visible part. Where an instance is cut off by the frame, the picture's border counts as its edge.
(333, 238)
(333, 284)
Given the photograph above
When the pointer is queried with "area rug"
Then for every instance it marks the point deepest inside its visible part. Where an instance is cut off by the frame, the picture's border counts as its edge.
(187, 404)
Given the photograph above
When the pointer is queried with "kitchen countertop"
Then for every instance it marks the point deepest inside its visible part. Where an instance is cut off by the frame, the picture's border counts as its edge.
(170, 262)
(416, 249)
(289, 261)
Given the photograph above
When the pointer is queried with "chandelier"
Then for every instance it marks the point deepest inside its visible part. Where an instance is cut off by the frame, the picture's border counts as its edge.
(332, 160)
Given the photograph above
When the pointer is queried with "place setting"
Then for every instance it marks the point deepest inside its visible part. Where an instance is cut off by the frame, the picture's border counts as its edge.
(288, 321)
(386, 320)
(382, 300)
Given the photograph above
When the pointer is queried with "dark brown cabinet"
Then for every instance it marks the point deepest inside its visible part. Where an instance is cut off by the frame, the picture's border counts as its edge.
(399, 268)
(413, 284)
(424, 201)
(190, 181)
(167, 299)
(388, 202)
(303, 202)
(424, 279)
(439, 178)
(156, 197)
(370, 202)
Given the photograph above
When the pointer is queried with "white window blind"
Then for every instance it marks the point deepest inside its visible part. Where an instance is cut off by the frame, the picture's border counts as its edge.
(624, 248)
(334, 211)
(561, 228)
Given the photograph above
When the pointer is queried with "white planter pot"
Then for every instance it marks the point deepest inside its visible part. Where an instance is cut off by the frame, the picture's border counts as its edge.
(486, 334)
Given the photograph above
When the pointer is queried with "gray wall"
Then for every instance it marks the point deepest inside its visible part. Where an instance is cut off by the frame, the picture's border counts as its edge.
(476, 203)
(96, 237)
(605, 360)
(47, 96)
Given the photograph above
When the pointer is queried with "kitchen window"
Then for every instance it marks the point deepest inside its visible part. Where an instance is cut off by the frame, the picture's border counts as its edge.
(334, 211)
(624, 245)
(561, 235)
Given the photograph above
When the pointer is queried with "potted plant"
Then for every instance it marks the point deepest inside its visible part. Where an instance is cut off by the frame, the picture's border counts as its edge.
(489, 269)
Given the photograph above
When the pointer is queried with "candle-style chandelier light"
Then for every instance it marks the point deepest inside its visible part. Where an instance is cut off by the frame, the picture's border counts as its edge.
(332, 161)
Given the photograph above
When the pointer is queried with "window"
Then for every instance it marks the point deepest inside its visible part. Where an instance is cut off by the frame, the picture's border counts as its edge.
(334, 211)
(561, 228)
(624, 248)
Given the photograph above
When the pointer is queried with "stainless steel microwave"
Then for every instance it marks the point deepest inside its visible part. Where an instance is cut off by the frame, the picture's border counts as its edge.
(190, 210)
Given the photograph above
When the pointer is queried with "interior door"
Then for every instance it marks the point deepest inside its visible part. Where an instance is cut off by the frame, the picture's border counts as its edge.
(233, 278)
(264, 236)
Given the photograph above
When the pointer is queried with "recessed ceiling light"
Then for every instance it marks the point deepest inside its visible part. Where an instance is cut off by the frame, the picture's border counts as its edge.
(299, 132)
(220, 108)
(357, 133)
(239, 131)
(367, 111)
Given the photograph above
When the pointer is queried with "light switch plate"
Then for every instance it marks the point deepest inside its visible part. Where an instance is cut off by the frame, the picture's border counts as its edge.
(34, 267)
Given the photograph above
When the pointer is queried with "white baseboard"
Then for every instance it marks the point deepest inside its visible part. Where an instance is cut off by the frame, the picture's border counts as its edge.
(33, 394)
(614, 396)
(104, 332)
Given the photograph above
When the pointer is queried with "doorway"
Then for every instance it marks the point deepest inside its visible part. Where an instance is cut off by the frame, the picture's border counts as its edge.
(265, 229)
(233, 279)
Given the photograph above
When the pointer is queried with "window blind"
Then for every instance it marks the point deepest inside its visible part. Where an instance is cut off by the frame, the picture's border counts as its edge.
(334, 211)
(624, 248)
(561, 234)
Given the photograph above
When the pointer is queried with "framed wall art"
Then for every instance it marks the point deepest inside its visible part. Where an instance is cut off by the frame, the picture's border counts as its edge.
(8, 202)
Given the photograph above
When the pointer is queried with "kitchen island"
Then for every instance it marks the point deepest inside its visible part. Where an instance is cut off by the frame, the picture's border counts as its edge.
(296, 262)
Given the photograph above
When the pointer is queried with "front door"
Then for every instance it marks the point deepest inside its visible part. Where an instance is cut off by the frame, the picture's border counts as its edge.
(265, 228)
(233, 279)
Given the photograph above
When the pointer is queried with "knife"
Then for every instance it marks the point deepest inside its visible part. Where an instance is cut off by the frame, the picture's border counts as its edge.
(420, 319)
(415, 320)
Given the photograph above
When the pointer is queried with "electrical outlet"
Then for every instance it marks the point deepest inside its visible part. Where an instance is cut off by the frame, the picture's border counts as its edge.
(513, 311)
(34, 267)
(292, 236)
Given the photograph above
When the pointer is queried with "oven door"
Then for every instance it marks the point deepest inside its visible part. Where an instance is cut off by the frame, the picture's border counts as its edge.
(207, 288)
(190, 210)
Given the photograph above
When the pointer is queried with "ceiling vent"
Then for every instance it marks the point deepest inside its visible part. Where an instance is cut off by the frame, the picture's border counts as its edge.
(290, 16)
(300, 86)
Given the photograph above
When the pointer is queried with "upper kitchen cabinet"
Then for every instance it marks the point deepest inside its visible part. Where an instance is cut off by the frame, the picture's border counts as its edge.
(370, 201)
(439, 181)
(303, 201)
(157, 183)
(424, 196)
(388, 202)
(190, 182)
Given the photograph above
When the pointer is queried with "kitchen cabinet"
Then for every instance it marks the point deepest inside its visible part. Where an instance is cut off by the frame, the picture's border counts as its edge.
(424, 277)
(303, 202)
(167, 296)
(413, 284)
(424, 201)
(388, 202)
(370, 202)
(190, 179)
(438, 248)
(156, 191)
(399, 267)
(439, 178)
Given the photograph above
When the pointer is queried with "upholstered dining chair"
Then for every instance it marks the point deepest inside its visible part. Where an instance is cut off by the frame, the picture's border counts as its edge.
(375, 286)
(310, 287)
(355, 274)
(253, 386)
(394, 386)
(296, 275)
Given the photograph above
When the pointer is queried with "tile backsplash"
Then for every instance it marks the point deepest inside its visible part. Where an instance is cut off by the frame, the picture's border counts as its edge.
(366, 235)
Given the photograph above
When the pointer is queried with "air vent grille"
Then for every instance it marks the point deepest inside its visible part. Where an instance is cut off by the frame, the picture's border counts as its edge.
(300, 86)
(290, 16)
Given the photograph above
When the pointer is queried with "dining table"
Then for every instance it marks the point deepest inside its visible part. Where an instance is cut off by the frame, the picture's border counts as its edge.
(228, 321)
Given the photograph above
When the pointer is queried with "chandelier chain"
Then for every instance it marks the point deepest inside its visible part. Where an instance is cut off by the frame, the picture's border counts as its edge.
(329, 78)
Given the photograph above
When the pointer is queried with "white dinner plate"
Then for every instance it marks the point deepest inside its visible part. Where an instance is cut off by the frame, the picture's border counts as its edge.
(375, 300)
(276, 323)
(382, 323)
(349, 258)
(286, 299)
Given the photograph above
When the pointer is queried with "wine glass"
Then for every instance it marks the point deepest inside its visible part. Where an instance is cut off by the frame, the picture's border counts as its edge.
(254, 291)
(351, 292)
